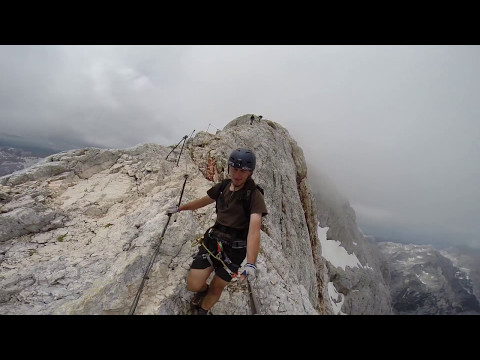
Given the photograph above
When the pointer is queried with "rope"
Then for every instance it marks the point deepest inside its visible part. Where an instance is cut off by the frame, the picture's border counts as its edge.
(201, 242)
(152, 260)
(254, 304)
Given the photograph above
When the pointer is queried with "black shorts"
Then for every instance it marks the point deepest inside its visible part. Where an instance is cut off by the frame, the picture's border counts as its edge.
(236, 257)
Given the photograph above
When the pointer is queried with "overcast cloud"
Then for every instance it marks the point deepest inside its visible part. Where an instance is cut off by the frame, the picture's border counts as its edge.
(396, 128)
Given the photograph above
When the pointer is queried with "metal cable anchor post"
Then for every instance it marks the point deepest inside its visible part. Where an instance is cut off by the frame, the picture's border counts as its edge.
(152, 260)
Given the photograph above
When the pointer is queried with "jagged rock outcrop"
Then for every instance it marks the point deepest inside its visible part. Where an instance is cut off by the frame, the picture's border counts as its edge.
(426, 281)
(12, 159)
(467, 260)
(78, 229)
(362, 286)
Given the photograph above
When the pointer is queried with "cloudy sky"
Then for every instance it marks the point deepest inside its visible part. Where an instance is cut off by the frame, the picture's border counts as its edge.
(396, 128)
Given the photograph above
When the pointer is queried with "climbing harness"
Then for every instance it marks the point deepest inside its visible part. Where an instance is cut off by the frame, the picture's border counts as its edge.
(254, 304)
(220, 252)
(152, 260)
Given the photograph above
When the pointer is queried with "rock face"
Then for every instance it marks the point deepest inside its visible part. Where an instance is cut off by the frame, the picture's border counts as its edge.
(360, 283)
(428, 281)
(78, 230)
(12, 159)
(468, 262)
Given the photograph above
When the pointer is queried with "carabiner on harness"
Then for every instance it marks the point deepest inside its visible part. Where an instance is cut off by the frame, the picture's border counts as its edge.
(220, 251)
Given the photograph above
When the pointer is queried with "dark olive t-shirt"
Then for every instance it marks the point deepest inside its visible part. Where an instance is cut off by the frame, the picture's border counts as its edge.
(231, 210)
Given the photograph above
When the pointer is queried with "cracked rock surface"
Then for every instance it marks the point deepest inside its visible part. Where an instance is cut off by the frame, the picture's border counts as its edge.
(79, 228)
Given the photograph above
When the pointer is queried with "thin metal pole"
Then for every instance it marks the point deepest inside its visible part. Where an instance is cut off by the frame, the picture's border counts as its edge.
(184, 138)
(174, 148)
(255, 307)
(152, 260)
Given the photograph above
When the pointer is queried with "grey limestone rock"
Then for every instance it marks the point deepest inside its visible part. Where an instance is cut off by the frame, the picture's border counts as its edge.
(79, 229)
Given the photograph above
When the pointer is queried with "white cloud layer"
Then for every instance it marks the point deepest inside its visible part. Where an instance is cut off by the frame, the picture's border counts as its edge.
(395, 127)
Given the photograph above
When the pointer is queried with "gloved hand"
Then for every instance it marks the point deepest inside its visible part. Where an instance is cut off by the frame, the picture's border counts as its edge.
(249, 271)
(172, 210)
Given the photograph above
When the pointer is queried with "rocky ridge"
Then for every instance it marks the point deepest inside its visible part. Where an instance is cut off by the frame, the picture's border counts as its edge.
(78, 229)
(362, 286)
(12, 160)
(427, 281)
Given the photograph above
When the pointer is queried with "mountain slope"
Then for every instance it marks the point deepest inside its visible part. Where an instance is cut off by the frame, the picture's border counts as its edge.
(425, 281)
(78, 229)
